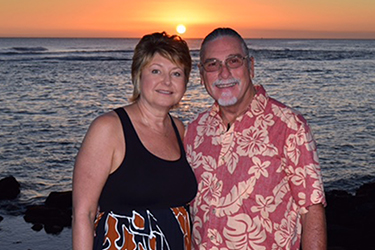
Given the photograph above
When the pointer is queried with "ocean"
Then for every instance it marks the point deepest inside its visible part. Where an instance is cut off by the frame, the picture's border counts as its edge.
(52, 89)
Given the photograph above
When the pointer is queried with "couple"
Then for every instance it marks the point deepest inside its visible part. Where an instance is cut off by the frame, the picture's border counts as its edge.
(256, 182)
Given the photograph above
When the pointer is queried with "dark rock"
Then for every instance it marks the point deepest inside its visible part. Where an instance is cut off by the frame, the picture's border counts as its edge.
(339, 237)
(366, 191)
(54, 215)
(53, 229)
(339, 203)
(1, 218)
(351, 218)
(37, 227)
(9, 188)
(61, 200)
(48, 215)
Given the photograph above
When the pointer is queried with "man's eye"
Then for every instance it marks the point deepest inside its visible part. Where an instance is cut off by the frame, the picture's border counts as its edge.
(212, 64)
(234, 61)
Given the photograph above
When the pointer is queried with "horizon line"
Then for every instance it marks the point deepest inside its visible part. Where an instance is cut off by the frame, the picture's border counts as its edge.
(188, 38)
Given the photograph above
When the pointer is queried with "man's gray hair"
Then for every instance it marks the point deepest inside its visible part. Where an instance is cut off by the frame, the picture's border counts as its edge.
(220, 32)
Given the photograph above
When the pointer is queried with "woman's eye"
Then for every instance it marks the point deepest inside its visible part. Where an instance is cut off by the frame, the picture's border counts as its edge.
(155, 71)
(178, 74)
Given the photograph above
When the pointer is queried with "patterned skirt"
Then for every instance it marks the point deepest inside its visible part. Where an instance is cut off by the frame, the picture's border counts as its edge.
(151, 229)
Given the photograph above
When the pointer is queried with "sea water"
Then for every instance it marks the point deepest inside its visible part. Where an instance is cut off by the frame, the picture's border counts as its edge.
(52, 89)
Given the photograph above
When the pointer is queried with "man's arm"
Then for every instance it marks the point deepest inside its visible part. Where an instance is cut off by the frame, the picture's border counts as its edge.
(314, 228)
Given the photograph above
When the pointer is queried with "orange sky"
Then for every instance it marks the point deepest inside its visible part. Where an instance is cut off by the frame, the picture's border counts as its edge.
(134, 18)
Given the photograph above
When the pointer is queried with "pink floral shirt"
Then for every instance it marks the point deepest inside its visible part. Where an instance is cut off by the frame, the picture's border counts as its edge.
(255, 179)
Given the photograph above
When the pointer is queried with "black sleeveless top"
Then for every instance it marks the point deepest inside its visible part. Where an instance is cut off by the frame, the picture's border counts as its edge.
(145, 190)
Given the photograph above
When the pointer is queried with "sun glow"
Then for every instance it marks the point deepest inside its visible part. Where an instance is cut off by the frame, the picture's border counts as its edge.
(181, 29)
(133, 19)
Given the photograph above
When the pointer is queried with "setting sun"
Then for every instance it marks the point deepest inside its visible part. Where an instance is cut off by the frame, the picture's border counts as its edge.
(181, 29)
(195, 19)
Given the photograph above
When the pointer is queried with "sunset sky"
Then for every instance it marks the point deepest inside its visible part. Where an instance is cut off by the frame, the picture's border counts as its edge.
(134, 18)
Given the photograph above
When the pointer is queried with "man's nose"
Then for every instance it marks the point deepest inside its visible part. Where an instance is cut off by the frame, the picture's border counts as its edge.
(224, 71)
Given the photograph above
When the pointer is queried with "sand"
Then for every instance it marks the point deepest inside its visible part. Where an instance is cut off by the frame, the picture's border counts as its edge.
(16, 234)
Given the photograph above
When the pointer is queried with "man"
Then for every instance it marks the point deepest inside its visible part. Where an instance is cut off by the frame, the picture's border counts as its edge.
(255, 160)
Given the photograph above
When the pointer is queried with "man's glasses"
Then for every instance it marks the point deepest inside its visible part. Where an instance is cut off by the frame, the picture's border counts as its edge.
(232, 62)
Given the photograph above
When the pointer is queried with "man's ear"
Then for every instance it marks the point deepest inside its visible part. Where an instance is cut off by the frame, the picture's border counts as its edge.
(201, 71)
(252, 62)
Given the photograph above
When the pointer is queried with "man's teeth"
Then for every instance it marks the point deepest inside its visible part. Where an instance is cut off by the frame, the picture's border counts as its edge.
(225, 85)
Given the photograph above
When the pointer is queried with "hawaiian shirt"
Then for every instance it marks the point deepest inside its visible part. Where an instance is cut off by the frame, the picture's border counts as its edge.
(255, 179)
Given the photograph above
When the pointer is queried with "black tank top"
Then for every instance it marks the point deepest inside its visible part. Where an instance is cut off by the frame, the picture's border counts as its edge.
(144, 180)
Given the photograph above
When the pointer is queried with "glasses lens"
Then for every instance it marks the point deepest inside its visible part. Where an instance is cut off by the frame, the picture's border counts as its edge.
(234, 62)
(212, 65)
(231, 62)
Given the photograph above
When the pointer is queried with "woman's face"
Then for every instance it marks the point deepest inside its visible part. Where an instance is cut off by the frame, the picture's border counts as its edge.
(162, 82)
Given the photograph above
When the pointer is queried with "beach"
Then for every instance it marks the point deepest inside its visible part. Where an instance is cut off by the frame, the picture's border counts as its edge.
(17, 234)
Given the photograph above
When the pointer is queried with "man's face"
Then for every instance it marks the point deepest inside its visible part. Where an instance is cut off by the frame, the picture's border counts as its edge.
(228, 86)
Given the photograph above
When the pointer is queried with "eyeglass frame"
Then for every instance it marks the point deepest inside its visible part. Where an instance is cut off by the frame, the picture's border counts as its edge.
(239, 56)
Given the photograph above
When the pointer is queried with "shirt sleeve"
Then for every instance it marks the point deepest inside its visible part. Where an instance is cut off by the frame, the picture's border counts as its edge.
(303, 168)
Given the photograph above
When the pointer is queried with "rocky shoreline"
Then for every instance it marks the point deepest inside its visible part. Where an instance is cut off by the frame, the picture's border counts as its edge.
(350, 218)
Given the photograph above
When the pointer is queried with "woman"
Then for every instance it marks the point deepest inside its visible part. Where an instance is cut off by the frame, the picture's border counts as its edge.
(131, 176)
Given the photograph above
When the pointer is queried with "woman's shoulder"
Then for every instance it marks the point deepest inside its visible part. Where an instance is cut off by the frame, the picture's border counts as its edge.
(106, 122)
(180, 126)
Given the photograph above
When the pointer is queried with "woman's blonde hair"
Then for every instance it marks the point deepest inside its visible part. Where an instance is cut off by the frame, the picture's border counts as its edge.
(174, 48)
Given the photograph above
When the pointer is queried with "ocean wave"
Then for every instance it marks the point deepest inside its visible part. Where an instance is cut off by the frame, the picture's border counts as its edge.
(40, 54)
(263, 55)
(29, 49)
(42, 50)
(74, 54)
(71, 58)
(316, 55)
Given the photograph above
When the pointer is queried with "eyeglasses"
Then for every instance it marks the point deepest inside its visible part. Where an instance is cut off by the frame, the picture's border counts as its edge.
(232, 62)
